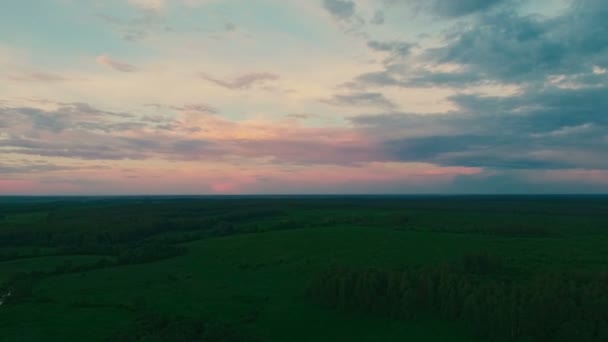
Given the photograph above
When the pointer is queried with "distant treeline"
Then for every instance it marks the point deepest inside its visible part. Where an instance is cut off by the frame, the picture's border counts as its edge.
(551, 308)
(93, 224)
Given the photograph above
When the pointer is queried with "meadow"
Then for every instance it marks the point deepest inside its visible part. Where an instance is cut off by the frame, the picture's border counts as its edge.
(304, 268)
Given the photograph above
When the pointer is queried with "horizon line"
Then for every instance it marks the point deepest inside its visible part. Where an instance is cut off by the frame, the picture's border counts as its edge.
(308, 195)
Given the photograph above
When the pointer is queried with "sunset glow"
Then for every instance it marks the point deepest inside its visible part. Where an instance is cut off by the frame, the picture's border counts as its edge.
(322, 96)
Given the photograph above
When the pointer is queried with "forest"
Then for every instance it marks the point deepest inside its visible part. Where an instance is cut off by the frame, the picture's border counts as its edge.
(304, 268)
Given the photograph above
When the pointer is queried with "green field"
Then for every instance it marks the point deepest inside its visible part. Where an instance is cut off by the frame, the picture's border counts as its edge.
(98, 269)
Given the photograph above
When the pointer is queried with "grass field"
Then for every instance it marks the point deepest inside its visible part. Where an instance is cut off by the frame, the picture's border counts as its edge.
(246, 264)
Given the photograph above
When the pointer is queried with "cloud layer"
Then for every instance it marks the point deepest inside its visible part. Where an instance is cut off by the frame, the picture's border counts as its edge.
(334, 96)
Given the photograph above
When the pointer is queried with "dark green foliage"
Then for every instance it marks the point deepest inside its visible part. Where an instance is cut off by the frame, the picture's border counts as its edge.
(547, 308)
(93, 224)
(83, 264)
(147, 253)
(481, 263)
(18, 288)
(152, 327)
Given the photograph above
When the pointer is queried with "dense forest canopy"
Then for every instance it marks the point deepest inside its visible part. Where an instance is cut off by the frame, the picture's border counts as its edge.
(501, 268)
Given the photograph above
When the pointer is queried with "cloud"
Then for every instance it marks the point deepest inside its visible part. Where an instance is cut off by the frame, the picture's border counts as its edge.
(284, 150)
(450, 8)
(453, 9)
(344, 12)
(378, 18)
(487, 151)
(340, 9)
(399, 48)
(230, 27)
(506, 47)
(197, 3)
(361, 99)
(547, 128)
(552, 122)
(39, 76)
(245, 81)
(531, 182)
(492, 90)
(81, 132)
(87, 148)
(376, 78)
(144, 24)
(116, 65)
(568, 130)
(65, 116)
(301, 116)
(396, 49)
(301, 150)
(33, 167)
(152, 5)
(198, 107)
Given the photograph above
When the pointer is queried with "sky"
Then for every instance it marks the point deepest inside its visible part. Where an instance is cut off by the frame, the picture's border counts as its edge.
(101, 97)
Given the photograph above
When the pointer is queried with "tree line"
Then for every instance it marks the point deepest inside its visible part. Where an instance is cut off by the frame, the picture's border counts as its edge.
(550, 307)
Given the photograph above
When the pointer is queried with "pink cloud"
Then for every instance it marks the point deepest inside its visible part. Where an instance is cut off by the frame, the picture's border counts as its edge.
(116, 65)
(202, 152)
(230, 178)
